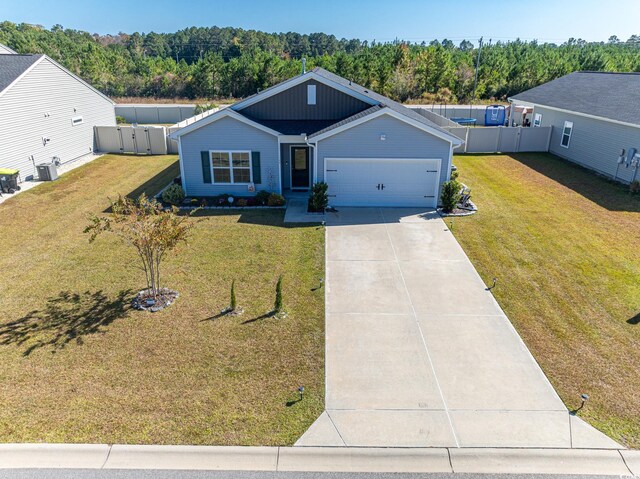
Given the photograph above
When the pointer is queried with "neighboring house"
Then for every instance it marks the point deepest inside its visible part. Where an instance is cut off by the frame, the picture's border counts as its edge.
(46, 112)
(595, 118)
(5, 50)
(317, 127)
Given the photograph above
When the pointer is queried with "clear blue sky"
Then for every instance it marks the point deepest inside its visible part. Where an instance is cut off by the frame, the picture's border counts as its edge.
(382, 20)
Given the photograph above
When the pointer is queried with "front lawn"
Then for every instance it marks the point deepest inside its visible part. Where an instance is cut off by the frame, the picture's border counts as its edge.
(565, 247)
(78, 365)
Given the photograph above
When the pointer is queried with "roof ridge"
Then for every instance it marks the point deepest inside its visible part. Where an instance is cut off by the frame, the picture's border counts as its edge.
(606, 73)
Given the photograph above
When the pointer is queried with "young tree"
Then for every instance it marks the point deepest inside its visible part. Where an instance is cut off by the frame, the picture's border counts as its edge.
(232, 302)
(277, 307)
(146, 226)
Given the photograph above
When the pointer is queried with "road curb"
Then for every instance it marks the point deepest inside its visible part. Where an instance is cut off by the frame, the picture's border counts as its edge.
(321, 459)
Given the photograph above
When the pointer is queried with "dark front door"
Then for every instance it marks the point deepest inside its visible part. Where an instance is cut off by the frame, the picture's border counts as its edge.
(299, 167)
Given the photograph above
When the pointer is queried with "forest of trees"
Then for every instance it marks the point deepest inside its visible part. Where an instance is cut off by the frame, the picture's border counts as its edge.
(233, 63)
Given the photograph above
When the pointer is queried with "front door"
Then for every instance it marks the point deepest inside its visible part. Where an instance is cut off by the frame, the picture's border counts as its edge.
(299, 167)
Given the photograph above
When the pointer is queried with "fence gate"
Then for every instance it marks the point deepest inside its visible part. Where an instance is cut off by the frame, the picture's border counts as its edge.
(146, 140)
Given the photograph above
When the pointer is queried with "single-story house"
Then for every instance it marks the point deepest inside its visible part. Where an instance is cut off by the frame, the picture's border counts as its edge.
(318, 127)
(595, 118)
(48, 113)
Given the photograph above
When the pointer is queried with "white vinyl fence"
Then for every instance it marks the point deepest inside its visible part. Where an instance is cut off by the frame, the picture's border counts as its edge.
(154, 114)
(500, 139)
(148, 140)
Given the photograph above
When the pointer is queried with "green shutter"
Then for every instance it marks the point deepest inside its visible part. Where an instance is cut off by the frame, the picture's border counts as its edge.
(255, 165)
(206, 166)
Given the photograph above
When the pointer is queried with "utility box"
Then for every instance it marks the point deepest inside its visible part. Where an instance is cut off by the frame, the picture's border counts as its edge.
(47, 171)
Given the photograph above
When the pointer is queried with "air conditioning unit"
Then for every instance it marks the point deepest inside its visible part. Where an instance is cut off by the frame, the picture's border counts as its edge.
(47, 171)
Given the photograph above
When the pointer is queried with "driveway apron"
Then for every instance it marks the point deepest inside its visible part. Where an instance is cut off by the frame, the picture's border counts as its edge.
(418, 352)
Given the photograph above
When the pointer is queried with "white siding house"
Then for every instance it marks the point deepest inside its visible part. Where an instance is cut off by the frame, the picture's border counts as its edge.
(46, 113)
(595, 120)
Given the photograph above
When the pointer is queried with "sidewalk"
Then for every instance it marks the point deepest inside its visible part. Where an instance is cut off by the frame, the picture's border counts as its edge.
(321, 459)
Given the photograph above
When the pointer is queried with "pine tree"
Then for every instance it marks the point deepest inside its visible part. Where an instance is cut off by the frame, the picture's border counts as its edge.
(277, 307)
(232, 303)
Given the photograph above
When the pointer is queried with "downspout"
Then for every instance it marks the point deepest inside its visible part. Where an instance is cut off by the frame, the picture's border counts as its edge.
(315, 158)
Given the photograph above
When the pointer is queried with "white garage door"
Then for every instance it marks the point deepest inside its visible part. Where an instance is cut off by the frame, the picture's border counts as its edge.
(383, 181)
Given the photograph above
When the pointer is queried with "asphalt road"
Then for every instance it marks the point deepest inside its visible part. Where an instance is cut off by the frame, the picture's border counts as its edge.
(155, 474)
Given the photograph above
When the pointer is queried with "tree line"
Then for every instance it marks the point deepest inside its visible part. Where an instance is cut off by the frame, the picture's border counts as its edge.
(216, 63)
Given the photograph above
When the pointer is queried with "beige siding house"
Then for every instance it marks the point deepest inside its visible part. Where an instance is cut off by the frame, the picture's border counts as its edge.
(47, 113)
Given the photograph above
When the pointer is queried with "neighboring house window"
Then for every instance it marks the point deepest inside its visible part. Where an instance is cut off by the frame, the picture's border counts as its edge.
(231, 166)
(77, 120)
(537, 119)
(566, 134)
(311, 94)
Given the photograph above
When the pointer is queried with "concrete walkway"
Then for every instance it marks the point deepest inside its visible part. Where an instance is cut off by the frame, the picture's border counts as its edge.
(418, 352)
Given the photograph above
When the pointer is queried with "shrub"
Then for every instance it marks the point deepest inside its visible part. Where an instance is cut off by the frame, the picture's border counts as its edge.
(450, 195)
(204, 107)
(120, 120)
(252, 201)
(319, 199)
(454, 175)
(242, 202)
(174, 195)
(276, 200)
(262, 197)
(634, 187)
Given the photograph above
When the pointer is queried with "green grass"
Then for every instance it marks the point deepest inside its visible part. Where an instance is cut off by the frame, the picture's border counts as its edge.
(565, 247)
(78, 365)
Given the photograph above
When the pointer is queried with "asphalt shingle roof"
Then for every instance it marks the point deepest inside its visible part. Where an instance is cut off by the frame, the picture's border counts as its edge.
(388, 102)
(12, 66)
(349, 119)
(615, 96)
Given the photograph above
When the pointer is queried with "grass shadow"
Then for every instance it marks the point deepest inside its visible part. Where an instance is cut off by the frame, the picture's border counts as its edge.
(261, 217)
(154, 184)
(603, 191)
(67, 317)
(268, 315)
(634, 320)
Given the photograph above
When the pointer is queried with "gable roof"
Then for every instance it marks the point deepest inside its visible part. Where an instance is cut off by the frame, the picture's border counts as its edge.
(612, 96)
(5, 50)
(376, 101)
(14, 66)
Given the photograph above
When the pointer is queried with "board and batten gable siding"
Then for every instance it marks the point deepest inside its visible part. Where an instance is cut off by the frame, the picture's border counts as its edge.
(402, 141)
(41, 104)
(594, 144)
(291, 104)
(223, 135)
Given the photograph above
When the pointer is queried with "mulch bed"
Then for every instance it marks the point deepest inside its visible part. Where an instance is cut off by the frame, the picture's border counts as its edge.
(145, 301)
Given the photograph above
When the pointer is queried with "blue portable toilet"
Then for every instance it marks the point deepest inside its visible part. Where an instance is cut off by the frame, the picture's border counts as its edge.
(495, 115)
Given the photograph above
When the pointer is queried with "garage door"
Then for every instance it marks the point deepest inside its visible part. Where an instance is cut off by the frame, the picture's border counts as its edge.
(383, 181)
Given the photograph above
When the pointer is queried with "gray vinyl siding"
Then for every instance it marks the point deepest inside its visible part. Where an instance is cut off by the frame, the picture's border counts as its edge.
(285, 156)
(228, 134)
(594, 144)
(291, 104)
(41, 104)
(402, 141)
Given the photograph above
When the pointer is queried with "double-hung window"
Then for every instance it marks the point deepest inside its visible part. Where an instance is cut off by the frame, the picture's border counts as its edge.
(231, 167)
(566, 134)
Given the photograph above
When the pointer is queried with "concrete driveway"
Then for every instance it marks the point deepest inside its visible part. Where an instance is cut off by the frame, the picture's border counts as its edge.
(418, 352)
